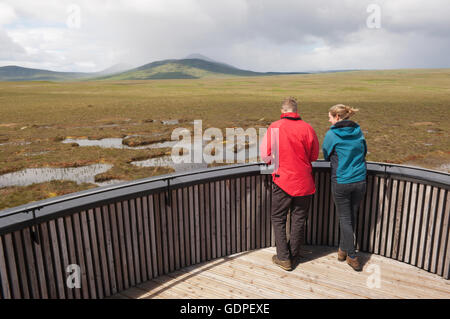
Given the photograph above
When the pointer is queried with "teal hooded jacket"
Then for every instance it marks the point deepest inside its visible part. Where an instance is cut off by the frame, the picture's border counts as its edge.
(345, 147)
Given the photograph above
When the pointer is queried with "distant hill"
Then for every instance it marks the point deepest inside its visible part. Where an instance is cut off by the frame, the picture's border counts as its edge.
(18, 73)
(183, 69)
(195, 67)
(205, 58)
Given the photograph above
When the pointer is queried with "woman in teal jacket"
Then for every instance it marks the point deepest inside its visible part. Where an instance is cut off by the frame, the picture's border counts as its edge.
(345, 147)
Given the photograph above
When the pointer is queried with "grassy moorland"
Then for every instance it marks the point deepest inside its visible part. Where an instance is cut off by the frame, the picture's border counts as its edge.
(404, 114)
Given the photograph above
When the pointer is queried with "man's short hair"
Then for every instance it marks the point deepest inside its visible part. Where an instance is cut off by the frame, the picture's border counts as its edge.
(289, 105)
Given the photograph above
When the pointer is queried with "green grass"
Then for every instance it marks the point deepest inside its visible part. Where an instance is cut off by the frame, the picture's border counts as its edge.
(397, 108)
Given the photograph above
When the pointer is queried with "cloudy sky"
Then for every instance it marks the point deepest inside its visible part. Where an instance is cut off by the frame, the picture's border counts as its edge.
(260, 35)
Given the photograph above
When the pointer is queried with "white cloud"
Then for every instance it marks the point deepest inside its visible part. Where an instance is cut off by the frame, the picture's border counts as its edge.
(264, 35)
(7, 14)
(9, 50)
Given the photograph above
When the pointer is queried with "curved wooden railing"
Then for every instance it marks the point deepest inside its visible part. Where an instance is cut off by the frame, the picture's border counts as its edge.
(126, 234)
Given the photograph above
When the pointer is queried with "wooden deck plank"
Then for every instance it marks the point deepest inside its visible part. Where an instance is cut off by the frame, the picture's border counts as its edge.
(258, 280)
(331, 273)
(319, 275)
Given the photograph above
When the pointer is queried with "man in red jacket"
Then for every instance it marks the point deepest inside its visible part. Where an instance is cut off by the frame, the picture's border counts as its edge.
(291, 144)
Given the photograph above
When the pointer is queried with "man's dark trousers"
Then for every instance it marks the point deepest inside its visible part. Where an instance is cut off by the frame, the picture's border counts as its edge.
(299, 206)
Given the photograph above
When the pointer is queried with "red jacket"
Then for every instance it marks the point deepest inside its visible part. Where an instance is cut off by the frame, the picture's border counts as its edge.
(298, 146)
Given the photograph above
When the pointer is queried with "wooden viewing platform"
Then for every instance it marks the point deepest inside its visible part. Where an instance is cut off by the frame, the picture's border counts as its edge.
(208, 234)
(252, 275)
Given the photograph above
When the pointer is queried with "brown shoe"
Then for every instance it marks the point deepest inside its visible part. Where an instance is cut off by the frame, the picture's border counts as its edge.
(284, 264)
(354, 263)
(342, 255)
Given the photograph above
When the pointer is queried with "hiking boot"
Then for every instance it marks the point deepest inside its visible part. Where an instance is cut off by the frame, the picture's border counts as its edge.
(342, 255)
(283, 264)
(354, 263)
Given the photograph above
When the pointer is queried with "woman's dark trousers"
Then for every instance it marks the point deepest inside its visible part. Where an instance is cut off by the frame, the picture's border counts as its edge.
(299, 206)
(347, 198)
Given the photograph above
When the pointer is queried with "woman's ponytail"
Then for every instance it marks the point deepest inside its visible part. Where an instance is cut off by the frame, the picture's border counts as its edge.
(344, 111)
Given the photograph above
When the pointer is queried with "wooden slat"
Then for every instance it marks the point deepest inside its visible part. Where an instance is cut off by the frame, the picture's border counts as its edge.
(248, 213)
(233, 215)
(430, 230)
(176, 229)
(223, 219)
(164, 233)
(126, 274)
(187, 228)
(170, 236)
(72, 256)
(192, 226)
(398, 219)
(390, 218)
(115, 246)
(148, 244)
(95, 253)
(243, 214)
(181, 227)
(102, 252)
(263, 207)
(134, 239)
(5, 283)
(34, 257)
(109, 247)
(258, 213)
(13, 267)
(201, 207)
(379, 216)
(418, 224)
(80, 252)
(373, 215)
(88, 255)
(64, 246)
(196, 213)
(406, 202)
(140, 239)
(252, 212)
(159, 236)
(212, 201)
(208, 238)
(238, 210)
(269, 228)
(444, 255)
(30, 263)
(58, 259)
(384, 230)
(218, 219)
(411, 222)
(152, 230)
(361, 217)
(227, 207)
(424, 226)
(21, 264)
(440, 215)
